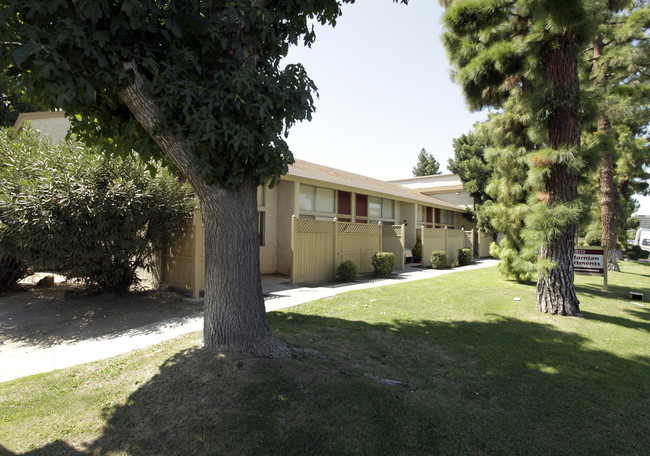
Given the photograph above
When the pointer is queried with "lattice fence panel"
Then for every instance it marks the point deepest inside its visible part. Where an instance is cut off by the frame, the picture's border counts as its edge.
(391, 230)
(308, 226)
(393, 241)
(358, 242)
(359, 228)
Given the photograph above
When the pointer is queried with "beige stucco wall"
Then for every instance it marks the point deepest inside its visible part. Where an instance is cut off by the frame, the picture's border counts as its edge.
(55, 129)
(460, 199)
(408, 212)
(53, 125)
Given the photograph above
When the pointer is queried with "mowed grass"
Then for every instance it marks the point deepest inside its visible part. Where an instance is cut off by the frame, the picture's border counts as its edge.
(479, 373)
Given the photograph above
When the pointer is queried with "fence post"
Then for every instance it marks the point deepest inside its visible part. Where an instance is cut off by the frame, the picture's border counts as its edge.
(478, 237)
(199, 251)
(381, 235)
(446, 243)
(336, 242)
(471, 242)
(402, 242)
(293, 248)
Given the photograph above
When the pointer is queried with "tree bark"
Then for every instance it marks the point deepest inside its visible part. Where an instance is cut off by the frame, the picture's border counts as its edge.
(608, 193)
(608, 209)
(235, 315)
(555, 289)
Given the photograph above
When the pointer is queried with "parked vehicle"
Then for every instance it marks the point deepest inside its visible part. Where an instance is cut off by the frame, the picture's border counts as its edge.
(643, 238)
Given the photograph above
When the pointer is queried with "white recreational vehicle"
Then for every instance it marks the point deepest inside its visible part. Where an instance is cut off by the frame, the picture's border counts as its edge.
(642, 238)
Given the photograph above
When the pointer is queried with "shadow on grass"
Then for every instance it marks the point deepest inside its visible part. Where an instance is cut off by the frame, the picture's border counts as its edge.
(613, 291)
(621, 321)
(500, 387)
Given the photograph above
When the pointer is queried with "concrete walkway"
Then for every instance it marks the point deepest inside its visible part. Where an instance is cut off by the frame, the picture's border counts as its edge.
(278, 292)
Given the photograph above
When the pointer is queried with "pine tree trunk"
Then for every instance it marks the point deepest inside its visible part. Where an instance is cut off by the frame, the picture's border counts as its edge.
(608, 208)
(608, 211)
(555, 289)
(235, 316)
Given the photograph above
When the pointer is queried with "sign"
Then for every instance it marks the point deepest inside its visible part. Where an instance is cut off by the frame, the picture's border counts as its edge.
(591, 261)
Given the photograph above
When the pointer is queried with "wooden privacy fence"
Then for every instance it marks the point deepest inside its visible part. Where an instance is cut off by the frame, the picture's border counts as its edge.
(450, 241)
(319, 246)
(484, 241)
(392, 240)
(184, 262)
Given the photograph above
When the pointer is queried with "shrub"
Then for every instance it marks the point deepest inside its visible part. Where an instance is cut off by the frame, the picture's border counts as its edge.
(383, 262)
(439, 259)
(11, 271)
(594, 237)
(635, 252)
(464, 257)
(73, 211)
(346, 272)
(417, 250)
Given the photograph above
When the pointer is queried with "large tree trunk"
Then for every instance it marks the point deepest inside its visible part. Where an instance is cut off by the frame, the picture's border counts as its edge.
(608, 210)
(235, 316)
(555, 289)
(608, 194)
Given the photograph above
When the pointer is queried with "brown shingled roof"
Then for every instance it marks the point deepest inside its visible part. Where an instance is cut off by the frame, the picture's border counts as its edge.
(312, 173)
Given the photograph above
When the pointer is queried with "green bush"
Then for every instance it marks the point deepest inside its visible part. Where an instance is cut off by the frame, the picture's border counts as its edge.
(439, 259)
(594, 237)
(464, 257)
(635, 252)
(347, 272)
(73, 211)
(416, 251)
(11, 271)
(384, 263)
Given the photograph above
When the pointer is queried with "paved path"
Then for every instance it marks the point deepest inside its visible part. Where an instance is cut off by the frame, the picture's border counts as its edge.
(279, 294)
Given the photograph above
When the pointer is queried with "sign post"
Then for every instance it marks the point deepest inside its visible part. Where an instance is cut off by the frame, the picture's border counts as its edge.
(591, 261)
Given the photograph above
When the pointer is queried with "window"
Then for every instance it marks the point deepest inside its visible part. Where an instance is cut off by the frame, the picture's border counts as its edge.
(317, 202)
(425, 216)
(374, 207)
(381, 209)
(447, 218)
(422, 215)
(261, 215)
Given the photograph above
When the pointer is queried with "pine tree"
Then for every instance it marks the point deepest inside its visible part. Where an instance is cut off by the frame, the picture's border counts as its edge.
(620, 55)
(533, 47)
(427, 165)
(470, 164)
(508, 156)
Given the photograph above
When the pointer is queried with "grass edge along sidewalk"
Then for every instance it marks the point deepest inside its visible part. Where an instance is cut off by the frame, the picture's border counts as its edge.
(30, 360)
(476, 371)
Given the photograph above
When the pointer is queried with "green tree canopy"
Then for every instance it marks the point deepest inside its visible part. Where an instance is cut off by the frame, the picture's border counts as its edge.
(526, 53)
(13, 100)
(427, 165)
(471, 166)
(198, 81)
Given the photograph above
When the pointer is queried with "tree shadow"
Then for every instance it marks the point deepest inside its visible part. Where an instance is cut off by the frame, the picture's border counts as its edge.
(641, 313)
(620, 321)
(466, 387)
(44, 317)
(613, 291)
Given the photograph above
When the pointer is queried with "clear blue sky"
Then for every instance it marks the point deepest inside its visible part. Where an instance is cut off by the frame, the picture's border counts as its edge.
(384, 92)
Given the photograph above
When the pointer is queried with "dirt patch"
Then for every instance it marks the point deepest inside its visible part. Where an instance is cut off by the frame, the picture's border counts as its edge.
(44, 317)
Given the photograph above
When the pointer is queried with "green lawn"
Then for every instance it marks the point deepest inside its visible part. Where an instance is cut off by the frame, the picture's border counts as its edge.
(481, 373)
